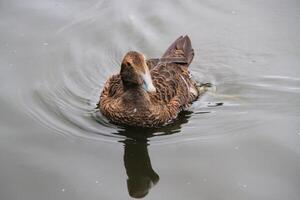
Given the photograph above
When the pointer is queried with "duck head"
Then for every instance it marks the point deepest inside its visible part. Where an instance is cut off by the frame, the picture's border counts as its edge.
(135, 72)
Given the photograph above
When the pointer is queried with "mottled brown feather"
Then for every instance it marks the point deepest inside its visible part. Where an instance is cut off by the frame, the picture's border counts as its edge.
(175, 90)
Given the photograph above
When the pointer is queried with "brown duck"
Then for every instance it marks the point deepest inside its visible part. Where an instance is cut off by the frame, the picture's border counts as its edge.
(150, 93)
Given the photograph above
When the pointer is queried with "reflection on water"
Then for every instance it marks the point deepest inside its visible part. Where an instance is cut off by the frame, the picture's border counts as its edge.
(137, 162)
(141, 176)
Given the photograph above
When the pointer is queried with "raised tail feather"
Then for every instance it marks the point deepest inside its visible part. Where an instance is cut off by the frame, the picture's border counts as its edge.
(180, 50)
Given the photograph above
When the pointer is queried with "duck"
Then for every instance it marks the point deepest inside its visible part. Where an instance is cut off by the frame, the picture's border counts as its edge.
(151, 92)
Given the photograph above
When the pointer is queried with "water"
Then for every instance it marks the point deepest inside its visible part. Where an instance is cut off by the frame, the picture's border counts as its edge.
(56, 56)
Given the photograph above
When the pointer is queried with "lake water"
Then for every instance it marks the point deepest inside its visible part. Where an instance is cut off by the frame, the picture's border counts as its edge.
(241, 140)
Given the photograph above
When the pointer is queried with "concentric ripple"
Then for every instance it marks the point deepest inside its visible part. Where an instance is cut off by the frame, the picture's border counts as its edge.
(65, 102)
(65, 98)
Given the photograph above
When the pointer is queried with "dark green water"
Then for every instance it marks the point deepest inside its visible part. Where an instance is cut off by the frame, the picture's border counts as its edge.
(56, 55)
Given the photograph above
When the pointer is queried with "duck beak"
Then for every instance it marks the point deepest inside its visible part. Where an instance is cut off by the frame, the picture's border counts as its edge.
(148, 84)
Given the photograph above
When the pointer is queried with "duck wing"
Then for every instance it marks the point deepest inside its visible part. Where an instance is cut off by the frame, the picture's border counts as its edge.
(180, 51)
(171, 76)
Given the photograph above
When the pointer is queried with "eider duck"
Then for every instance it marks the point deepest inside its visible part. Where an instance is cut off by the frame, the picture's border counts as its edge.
(150, 92)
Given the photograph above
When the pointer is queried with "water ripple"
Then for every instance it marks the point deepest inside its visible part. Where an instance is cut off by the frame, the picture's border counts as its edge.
(65, 101)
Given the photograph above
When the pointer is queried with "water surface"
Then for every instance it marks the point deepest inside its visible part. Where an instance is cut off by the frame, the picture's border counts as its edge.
(241, 140)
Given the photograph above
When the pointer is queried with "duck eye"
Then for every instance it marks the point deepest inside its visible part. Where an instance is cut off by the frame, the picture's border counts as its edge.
(128, 64)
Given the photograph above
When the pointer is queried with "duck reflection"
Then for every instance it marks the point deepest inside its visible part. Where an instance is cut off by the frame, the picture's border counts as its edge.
(141, 175)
